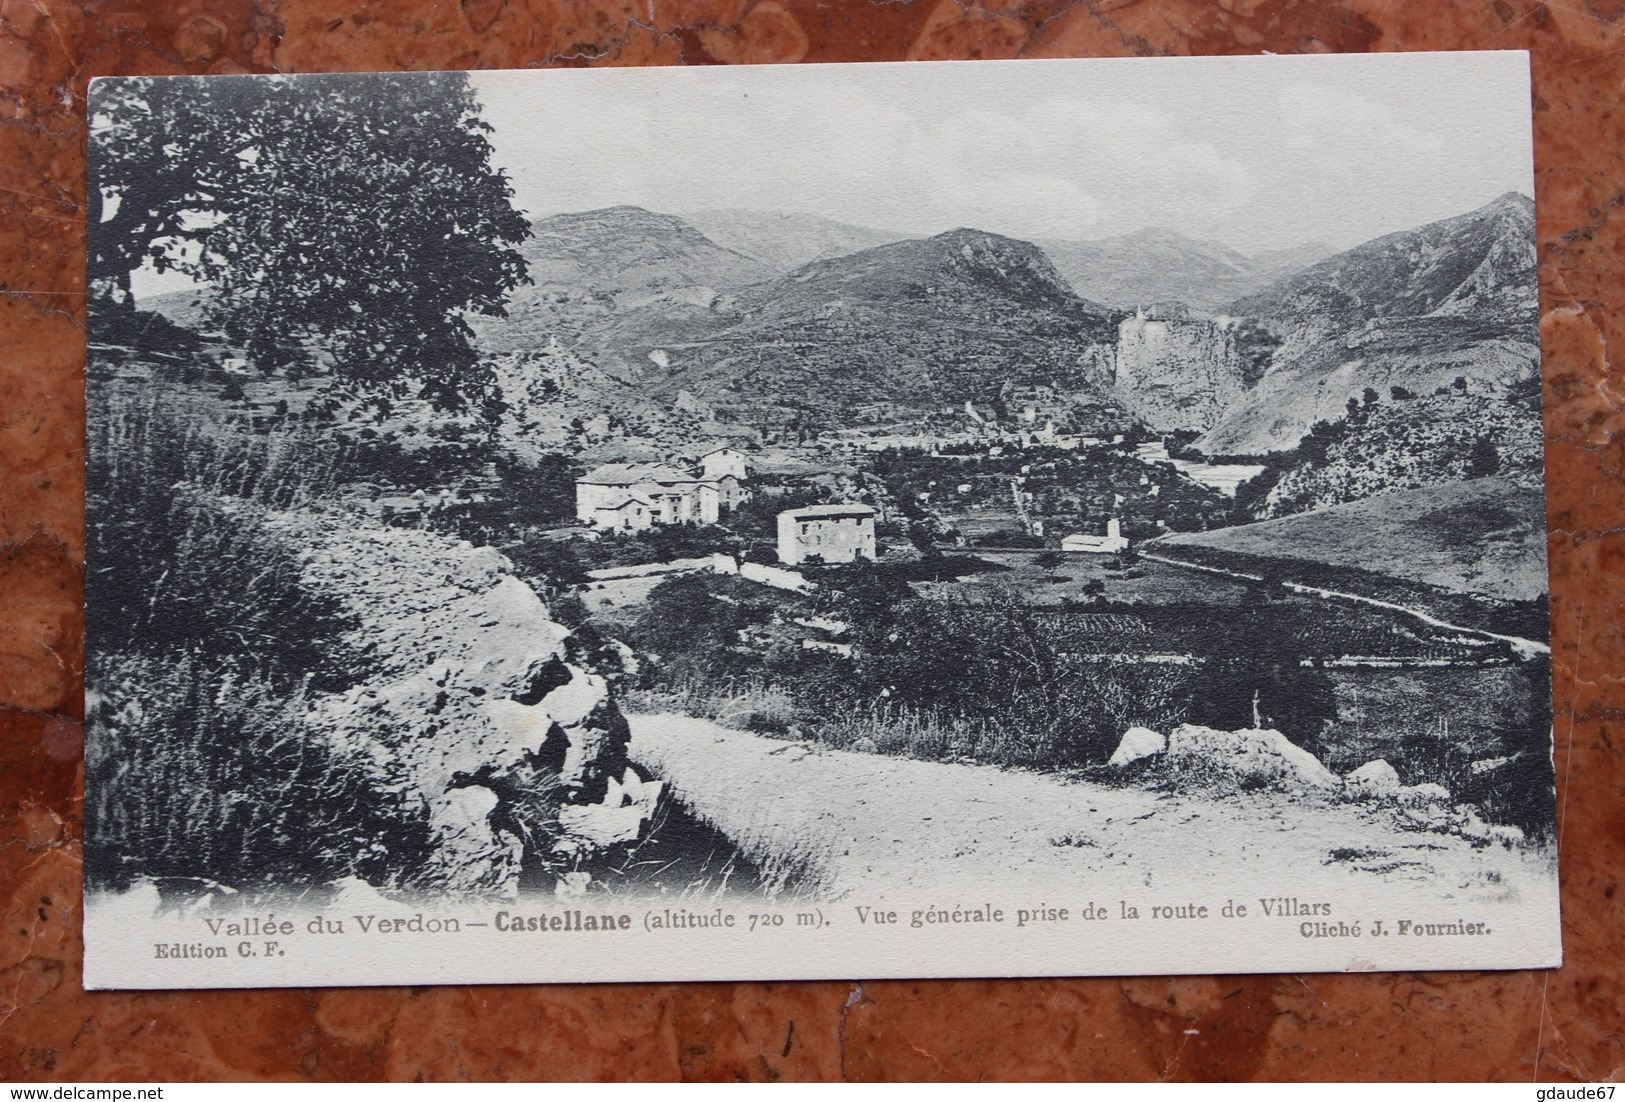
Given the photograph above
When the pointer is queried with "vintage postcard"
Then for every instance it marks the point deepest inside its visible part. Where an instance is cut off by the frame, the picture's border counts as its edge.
(1010, 518)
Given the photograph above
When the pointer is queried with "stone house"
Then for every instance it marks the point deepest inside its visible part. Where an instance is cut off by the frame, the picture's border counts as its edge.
(633, 514)
(721, 462)
(635, 496)
(827, 533)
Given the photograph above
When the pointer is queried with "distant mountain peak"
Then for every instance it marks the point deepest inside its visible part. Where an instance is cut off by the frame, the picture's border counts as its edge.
(1487, 253)
(1154, 264)
(970, 233)
(786, 240)
(1161, 235)
(620, 217)
(1008, 265)
(984, 242)
(622, 209)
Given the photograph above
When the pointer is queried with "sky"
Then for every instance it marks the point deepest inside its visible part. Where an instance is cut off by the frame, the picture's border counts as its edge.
(1258, 153)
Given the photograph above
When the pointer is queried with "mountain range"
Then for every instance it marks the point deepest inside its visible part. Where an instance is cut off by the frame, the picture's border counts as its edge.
(1454, 299)
(588, 266)
(786, 240)
(770, 319)
(1153, 266)
(893, 331)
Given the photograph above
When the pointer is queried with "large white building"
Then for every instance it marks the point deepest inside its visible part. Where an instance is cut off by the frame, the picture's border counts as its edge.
(826, 533)
(723, 462)
(1111, 543)
(629, 497)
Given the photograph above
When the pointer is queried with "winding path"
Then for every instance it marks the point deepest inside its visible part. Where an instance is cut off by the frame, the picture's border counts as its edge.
(859, 822)
(1524, 648)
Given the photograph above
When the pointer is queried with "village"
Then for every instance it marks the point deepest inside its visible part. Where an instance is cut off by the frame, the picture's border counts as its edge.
(620, 499)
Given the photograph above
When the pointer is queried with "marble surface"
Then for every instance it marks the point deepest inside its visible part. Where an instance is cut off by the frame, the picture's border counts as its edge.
(1558, 1025)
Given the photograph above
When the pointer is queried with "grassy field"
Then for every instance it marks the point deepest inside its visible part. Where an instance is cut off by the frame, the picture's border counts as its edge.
(1392, 713)
(1145, 583)
(1485, 537)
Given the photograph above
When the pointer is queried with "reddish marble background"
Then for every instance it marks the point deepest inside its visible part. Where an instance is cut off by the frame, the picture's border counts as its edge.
(1559, 1025)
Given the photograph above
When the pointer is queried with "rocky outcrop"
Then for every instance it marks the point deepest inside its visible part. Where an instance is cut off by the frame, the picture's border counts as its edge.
(1137, 743)
(1373, 780)
(1455, 299)
(1245, 759)
(475, 701)
(1313, 376)
(1176, 371)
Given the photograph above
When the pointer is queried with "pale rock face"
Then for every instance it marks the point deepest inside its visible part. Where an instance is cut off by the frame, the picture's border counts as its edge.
(596, 750)
(1372, 780)
(1137, 743)
(572, 704)
(1178, 373)
(471, 854)
(1247, 758)
(626, 808)
(473, 699)
(527, 725)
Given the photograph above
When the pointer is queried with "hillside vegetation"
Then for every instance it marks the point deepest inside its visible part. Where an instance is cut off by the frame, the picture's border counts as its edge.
(1486, 536)
(1418, 309)
(1410, 443)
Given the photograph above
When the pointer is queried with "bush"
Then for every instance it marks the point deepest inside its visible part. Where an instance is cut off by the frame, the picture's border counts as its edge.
(199, 770)
(183, 553)
(205, 649)
(1008, 537)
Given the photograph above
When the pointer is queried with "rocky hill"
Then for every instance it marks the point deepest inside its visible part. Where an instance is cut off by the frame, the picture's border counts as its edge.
(1476, 264)
(1178, 372)
(479, 703)
(785, 240)
(588, 265)
(1411, 443)
(1418, 310)
(1151, 266)
(898, 329)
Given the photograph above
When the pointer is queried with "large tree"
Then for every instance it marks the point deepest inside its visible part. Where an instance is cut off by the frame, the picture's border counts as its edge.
(355, 214)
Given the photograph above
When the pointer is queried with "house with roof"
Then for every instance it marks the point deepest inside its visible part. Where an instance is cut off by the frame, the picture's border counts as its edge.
(633, 513)
(1112, 543)
(723, 462)
(635, 496)
(826, 533)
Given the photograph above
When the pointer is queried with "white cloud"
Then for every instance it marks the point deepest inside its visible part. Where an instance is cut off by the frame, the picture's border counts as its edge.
(1261, 153)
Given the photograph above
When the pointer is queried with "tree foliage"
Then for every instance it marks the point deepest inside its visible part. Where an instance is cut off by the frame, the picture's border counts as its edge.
(355, 213)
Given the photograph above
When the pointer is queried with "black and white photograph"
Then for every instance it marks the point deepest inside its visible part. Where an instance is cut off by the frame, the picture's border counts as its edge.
(925, 519)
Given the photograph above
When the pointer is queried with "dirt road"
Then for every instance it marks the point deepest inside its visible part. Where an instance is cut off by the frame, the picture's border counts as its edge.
(856, 822)
(1524, 648)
